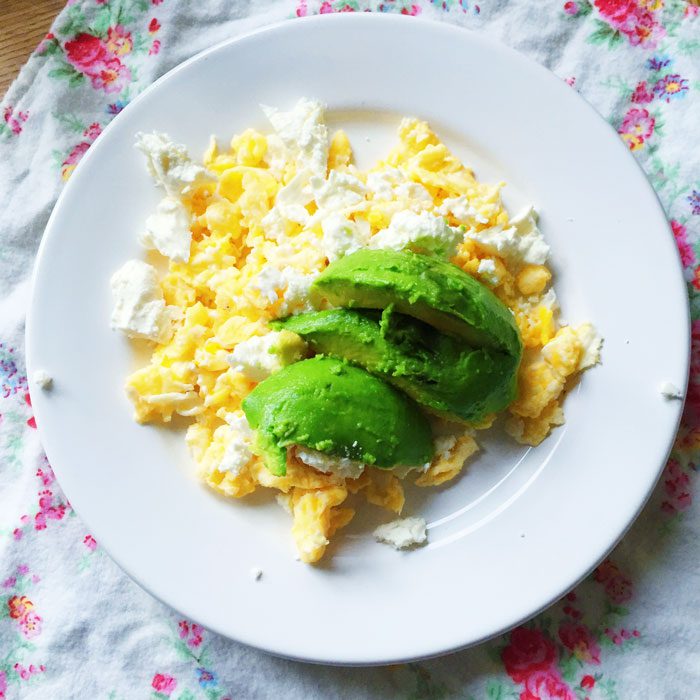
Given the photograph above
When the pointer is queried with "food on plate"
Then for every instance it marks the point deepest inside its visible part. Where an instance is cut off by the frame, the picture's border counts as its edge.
(331, 332)
(419, 297)
(330, 406)
(402, 533)
(670, 391)
(139, 307)
(42, 379)
(431, 290)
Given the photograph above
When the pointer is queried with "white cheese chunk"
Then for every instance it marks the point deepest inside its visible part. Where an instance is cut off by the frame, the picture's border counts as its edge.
(342, 236)
(328, 464)
(304, 134)
(139, 307)
(670, 391)
(275, 156)
(487, 270)
(341, 193)
(381, 183)
(591, 343)
(460, 209)
(274, 224)
(291, 200)
(444, 444)
(402, 533)
(392, 184)
(237, 453)
(168, 230)
(42, 379)
(519, 244)
(290, 206)
(256, 357)
(169, 163)
(290, 284)
(423, 233)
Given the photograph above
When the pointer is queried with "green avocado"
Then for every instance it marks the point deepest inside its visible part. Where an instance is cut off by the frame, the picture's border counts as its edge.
(438, 371)
(431, 290)
(329, 405)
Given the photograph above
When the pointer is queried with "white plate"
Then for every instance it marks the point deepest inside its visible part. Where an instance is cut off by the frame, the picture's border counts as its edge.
(520, 527)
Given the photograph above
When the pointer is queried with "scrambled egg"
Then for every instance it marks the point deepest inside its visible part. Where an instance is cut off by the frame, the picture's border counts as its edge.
(266, 212)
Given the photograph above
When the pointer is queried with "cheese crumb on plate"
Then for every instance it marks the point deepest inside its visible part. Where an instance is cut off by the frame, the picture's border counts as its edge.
(139, 307)
(42, 379)
(402, 533)
(670, 391)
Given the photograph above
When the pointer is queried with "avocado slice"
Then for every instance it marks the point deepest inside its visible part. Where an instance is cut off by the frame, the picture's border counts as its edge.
(331, 406)
(436, 370)
(431, 290)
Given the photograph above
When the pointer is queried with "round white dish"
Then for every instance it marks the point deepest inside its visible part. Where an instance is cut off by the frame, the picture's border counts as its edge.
(520, 527)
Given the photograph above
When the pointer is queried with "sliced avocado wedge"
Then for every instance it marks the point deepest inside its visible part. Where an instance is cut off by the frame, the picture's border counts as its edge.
(436, 370)
(431, 290)
(331, 406)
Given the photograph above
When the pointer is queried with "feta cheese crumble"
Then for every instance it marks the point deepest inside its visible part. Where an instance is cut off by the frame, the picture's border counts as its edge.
(256, 573)
(402, 533)
(381, 183)
(258, 357)
(460, 209)
(591, 343)
(341, 192)
(342, 236)
(423, 233)
(275, 156)
(290, 205)
(168, 230)
(487, 271)
(670, 392)
(237, 453)
(329, 464)
(290, 284)
(42, 379)
(303, 133)
(169, 164)
(444, 445)
(390, 184)
(521, 243)
(139, 307)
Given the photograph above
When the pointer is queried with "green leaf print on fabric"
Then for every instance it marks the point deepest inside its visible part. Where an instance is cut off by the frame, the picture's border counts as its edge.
(496, 690)
(426, 688)
(73, 76)
(605, 33)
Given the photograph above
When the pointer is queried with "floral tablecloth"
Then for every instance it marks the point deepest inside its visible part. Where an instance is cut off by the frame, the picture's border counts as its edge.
(72, 625)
